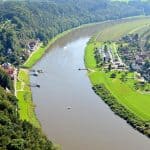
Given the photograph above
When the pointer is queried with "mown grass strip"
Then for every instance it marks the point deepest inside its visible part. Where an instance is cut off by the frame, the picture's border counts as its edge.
(24, 95)
(116, 31)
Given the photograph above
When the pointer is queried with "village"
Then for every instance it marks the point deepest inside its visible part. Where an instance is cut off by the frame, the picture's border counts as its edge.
(10, 69)
(138, 61)
(135, 56)
(109, 59)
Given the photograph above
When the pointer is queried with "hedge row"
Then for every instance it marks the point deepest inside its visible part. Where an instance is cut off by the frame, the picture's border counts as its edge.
(120, 110)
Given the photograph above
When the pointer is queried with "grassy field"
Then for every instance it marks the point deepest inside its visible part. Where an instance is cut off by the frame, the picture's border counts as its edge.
(117, 30)
(24, 95)
(133, 100)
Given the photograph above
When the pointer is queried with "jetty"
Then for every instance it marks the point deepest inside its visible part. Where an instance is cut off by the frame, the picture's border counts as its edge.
(80, 69)
(34, 85)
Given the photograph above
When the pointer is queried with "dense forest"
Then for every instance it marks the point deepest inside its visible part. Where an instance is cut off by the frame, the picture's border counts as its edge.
(22, 21)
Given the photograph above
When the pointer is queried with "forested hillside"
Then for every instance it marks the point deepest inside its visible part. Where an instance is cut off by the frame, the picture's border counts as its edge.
(14, 133)
(22, 21)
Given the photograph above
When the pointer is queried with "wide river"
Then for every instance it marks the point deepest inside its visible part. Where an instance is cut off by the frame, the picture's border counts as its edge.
(89, 124)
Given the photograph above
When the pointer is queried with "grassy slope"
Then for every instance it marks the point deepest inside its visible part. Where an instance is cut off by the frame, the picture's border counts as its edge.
(116, 31)
(135, 101)
(24, 95)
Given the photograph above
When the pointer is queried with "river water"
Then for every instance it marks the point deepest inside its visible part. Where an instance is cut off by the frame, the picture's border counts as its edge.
(89, 124)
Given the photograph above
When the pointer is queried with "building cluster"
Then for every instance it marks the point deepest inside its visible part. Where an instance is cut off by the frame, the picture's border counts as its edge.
(108, 58)
(136, 54)
(139, 59)
(136, 60)
(146, 74)
(9, 69)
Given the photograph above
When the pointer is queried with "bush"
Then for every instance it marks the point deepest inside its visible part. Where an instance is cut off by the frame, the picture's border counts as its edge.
(113, 75)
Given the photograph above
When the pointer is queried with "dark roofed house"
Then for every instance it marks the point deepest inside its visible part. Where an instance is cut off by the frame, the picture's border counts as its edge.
(9, 69)
(32, 45)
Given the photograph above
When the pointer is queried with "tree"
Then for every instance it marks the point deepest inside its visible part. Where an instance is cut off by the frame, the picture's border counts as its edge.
(5, 80)
(109, 67)
(113, 75)
(105, 48)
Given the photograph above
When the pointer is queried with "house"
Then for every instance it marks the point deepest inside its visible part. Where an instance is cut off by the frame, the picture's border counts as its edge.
(6, 65)
(33, 45)
(27, 52)
(134, 66)
(9, 51)
(9, 69)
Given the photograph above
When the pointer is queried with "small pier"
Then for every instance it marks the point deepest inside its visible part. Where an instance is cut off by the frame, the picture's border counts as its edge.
(36, 72)
(34, 85)
(83, 69)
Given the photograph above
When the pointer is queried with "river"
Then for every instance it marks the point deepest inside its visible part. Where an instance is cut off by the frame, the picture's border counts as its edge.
(70, 113)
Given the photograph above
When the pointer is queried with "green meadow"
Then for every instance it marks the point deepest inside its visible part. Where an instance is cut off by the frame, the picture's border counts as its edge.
(24, 95)
(115, 31)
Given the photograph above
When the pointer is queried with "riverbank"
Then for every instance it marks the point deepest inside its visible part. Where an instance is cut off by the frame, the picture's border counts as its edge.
(25, 102)
(123, 100)
(22, 85)
(24, 95)
(23, 90)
